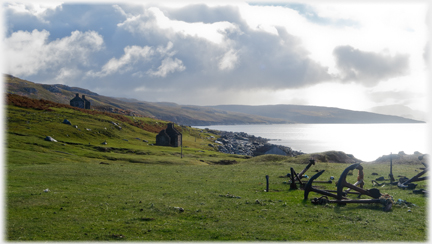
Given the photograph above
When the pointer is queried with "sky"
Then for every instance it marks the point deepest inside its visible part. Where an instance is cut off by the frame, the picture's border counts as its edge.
(358, 55)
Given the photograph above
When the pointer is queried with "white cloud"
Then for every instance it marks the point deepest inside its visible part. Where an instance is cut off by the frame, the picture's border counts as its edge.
(169, 65)
(66, 74)
(30, 53)
(229, 60)
(38, 10)
(121, 11)
(228, 51)
(136, 58)
(154, 19)
(132, 55)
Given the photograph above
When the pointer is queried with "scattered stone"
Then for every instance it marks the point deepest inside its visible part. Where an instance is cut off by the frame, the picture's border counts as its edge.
(46, 190)
(179, 209)
(104, 163)
(241, 143)
(374, 173)
(65, 121)
(117, 236)
(104, 143)
(75, 126)
(144, 140)
(230, 196)
(49, 138)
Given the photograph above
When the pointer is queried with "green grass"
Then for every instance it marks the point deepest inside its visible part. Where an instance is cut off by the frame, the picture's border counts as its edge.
(135, 194)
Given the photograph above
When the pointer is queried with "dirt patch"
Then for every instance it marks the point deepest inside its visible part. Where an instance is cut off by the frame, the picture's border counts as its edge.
(225, 162)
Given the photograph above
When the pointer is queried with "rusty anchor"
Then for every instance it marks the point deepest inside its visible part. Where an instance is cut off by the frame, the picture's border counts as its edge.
(386, 201)
(391, 178)
(308, 188)
(374, 193)
(411, 186)
(341, 199)
(296, 178)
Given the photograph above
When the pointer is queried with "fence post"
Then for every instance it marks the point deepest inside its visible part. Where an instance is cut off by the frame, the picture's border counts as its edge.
(267, 178)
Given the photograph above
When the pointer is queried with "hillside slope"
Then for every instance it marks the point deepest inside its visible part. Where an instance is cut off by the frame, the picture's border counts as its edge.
(94, 135)
(315, 114)
(180, 114)
(199, 115)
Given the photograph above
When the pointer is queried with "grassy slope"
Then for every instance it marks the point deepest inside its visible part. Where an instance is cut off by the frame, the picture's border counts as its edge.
(134, 194)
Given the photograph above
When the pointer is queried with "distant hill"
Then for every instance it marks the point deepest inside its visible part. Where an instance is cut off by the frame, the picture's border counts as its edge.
(315, 114)
(199, 115)
(180, 114)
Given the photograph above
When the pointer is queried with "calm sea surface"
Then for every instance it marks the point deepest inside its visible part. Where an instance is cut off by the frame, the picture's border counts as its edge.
(366, 142)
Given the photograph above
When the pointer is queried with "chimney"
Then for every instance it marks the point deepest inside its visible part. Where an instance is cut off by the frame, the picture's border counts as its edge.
(77, 95)
(83, 96)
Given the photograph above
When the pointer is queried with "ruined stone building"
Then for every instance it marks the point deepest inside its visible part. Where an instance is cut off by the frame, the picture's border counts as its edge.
(80, 102)
(169, 137)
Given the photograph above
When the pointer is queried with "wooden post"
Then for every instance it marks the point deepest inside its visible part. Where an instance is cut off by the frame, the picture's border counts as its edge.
(391, 169)
(267, 178)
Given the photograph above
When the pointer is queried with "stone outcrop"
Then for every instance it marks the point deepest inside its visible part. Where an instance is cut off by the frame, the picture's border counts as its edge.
(249, 145)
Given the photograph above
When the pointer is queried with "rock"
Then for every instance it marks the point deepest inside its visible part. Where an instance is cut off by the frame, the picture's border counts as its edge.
(65, 121)
(52, 88)
(179, 209)
(104, 143)
(30, 90)
(49, 138)
(144, 140)
(75, 126)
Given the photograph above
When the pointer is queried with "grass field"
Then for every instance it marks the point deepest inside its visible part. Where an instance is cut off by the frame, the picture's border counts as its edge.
(77, 189)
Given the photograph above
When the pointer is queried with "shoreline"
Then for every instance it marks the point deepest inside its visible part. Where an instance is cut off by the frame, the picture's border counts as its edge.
(242, 143)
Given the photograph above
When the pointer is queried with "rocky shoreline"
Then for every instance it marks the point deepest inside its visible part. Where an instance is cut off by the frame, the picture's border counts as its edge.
(249, 145)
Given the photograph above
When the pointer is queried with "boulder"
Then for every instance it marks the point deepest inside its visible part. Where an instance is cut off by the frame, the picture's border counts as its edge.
(49, 138)
(65, 121)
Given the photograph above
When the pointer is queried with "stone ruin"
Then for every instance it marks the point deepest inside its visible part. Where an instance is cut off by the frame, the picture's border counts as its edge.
(169, 137)
(80, 102)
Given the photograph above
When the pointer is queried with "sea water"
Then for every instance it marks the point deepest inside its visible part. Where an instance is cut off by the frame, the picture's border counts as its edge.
(366, 142)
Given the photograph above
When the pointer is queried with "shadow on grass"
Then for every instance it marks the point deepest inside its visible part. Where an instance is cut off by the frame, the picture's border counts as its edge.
(351, 206)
